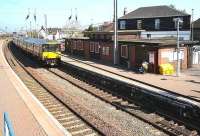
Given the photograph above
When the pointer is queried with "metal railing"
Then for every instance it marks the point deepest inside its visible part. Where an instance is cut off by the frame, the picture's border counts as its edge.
(8, 128)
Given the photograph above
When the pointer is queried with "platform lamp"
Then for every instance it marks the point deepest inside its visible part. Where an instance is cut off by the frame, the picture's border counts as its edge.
(178, 21)
(115, 34)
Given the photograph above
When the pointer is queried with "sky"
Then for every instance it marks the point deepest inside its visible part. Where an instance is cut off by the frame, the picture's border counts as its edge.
(14, 12)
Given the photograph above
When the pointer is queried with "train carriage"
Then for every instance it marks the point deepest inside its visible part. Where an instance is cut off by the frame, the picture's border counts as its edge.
(46, 51)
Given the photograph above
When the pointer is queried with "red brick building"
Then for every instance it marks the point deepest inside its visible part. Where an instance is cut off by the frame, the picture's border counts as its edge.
(143, 37)
(133, 52)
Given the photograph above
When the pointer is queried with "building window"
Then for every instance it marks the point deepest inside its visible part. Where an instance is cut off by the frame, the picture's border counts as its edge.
(181, 55)
(176, 23)
(139, 24)
(124, 51)
(80, 44)
(91, 46)
(97, 47)
(157, 24)
(122, 24)
(74, 45)
(106, 51)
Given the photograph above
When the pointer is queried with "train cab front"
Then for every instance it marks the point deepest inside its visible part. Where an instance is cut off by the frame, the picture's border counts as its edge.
(51, 55)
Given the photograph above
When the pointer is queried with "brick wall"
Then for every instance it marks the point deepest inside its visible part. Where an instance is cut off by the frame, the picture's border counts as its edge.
(107, 58)
(164, 55)
(132, 56)
(87, 49)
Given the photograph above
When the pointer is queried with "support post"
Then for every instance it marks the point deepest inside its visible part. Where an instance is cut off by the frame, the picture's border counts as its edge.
(178, 51)
(192, 25)
(116, 59)
(178, 21)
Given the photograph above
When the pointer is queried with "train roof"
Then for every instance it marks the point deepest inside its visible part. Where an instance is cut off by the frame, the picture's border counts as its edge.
(37, 41)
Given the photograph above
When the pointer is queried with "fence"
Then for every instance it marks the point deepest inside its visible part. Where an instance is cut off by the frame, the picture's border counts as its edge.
(8, 128)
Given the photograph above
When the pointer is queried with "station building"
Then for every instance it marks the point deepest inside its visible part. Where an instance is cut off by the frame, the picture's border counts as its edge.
(147, 34)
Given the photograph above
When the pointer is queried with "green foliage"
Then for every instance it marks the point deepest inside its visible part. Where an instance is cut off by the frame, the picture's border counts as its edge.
(174, 7)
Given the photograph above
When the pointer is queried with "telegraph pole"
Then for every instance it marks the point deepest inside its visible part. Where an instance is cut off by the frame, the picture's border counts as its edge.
(115, 34)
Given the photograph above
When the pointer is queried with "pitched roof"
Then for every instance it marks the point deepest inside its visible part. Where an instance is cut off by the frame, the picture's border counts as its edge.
(197, 23)
(153, 12)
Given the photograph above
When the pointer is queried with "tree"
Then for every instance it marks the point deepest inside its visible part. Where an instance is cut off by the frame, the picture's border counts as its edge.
(90, 28)
(174, 7)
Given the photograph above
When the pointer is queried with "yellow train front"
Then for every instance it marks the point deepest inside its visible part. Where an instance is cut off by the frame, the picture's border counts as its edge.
(46, 51)
(51, 53)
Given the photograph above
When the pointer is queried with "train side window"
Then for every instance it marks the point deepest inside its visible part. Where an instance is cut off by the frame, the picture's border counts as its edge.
(124, 51)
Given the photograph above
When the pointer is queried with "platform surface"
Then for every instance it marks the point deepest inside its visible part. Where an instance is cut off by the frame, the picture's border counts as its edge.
(24, 121)
(187, 84)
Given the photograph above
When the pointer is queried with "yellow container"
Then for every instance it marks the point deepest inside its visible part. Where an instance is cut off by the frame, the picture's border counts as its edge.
(166, 69)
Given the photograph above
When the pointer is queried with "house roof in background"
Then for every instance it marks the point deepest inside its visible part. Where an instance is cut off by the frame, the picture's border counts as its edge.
(153, 12)
(197, 23)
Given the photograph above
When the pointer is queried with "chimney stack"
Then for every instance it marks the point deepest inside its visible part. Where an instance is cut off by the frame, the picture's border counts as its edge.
(125, 11)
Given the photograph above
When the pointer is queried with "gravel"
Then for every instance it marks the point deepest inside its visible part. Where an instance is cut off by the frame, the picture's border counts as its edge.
(121, 120)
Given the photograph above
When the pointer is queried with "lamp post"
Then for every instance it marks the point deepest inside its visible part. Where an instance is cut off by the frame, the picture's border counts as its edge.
(45, 22)
(115, 34)
(178, 21)
(192, 25)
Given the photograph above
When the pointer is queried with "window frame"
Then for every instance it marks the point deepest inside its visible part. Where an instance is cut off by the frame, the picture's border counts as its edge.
(157, 24)
(122, 24)
(126, 51)
(106, 51)
(92, 48)
(97, 47)
(80, 44)
(74, 45)
(139, 24)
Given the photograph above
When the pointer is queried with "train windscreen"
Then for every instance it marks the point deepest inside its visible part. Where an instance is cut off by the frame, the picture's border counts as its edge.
(51, 48)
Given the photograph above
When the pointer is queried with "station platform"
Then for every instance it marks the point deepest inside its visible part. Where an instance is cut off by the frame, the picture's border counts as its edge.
(188, 84)
(28, 117)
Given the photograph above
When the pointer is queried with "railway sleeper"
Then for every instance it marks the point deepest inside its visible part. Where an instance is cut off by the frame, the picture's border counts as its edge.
(145, 98)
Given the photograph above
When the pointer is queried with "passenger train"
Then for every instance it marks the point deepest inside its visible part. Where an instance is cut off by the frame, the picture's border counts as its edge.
(46, 51)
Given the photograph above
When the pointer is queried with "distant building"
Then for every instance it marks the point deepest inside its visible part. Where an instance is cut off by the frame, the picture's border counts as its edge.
(147, 34)
(157, 22)
(197, 30)
(51, 33)
(105, 32)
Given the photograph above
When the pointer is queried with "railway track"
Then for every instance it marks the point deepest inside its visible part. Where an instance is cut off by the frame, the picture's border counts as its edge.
(168, 124)
(170, 127)
(69, 119)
